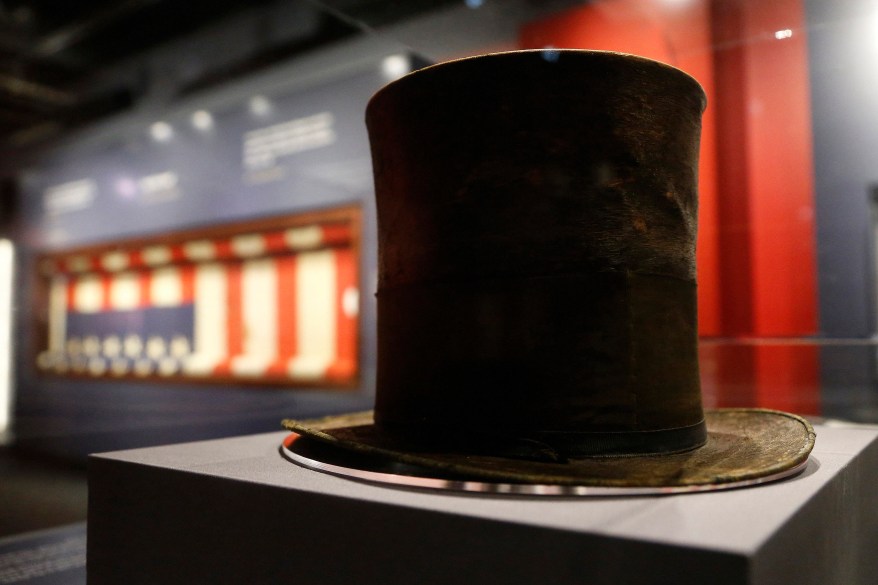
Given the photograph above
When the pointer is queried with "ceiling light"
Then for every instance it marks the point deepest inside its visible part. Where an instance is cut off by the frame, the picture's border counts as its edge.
(395, 66)
(260, 105)
(202, 120)
(161, 131)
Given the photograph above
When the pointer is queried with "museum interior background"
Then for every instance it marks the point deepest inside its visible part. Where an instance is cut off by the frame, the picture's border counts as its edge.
(188, 234)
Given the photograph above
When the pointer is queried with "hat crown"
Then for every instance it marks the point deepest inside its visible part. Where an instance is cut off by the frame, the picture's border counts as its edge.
(536, 227)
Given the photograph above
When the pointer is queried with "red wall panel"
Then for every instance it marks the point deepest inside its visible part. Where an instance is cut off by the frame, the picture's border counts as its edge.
(766, 177)
(756, 245)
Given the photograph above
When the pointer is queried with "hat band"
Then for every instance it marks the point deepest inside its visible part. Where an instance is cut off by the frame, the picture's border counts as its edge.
(614, 444)
(556, 446)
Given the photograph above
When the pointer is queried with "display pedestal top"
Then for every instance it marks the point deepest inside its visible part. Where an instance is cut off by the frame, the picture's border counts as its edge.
(234, 510)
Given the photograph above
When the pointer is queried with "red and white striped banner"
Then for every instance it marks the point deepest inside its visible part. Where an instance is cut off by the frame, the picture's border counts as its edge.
(279, 305)
(290, 316)
(271, 243)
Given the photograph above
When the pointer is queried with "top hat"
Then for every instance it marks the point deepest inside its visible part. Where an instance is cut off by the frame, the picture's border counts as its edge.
(537, 218)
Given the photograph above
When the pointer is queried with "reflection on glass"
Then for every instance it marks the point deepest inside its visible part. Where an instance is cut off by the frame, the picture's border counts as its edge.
(6, 275)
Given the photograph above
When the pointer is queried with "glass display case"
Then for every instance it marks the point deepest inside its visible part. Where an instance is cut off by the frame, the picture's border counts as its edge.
(787, 248)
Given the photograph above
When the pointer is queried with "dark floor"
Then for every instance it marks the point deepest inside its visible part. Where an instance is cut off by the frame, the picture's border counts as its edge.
(37, 492)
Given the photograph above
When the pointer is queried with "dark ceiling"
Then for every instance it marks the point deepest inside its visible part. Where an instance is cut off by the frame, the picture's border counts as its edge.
(52, 50)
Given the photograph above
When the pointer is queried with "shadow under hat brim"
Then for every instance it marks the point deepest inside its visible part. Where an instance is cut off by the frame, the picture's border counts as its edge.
(742, 445)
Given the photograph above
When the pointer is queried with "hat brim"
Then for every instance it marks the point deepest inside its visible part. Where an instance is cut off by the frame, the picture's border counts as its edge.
(744, 446)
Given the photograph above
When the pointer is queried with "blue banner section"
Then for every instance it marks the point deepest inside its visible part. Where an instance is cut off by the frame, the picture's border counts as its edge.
(163, 322)
(143, 342)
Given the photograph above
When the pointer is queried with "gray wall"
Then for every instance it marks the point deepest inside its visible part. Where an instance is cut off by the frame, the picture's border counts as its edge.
(843, 57)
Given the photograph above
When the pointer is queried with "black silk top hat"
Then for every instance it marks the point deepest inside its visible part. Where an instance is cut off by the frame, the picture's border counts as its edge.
(537, 218)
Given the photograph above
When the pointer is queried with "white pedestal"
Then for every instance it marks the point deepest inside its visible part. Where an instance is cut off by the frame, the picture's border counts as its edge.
(234, 511)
